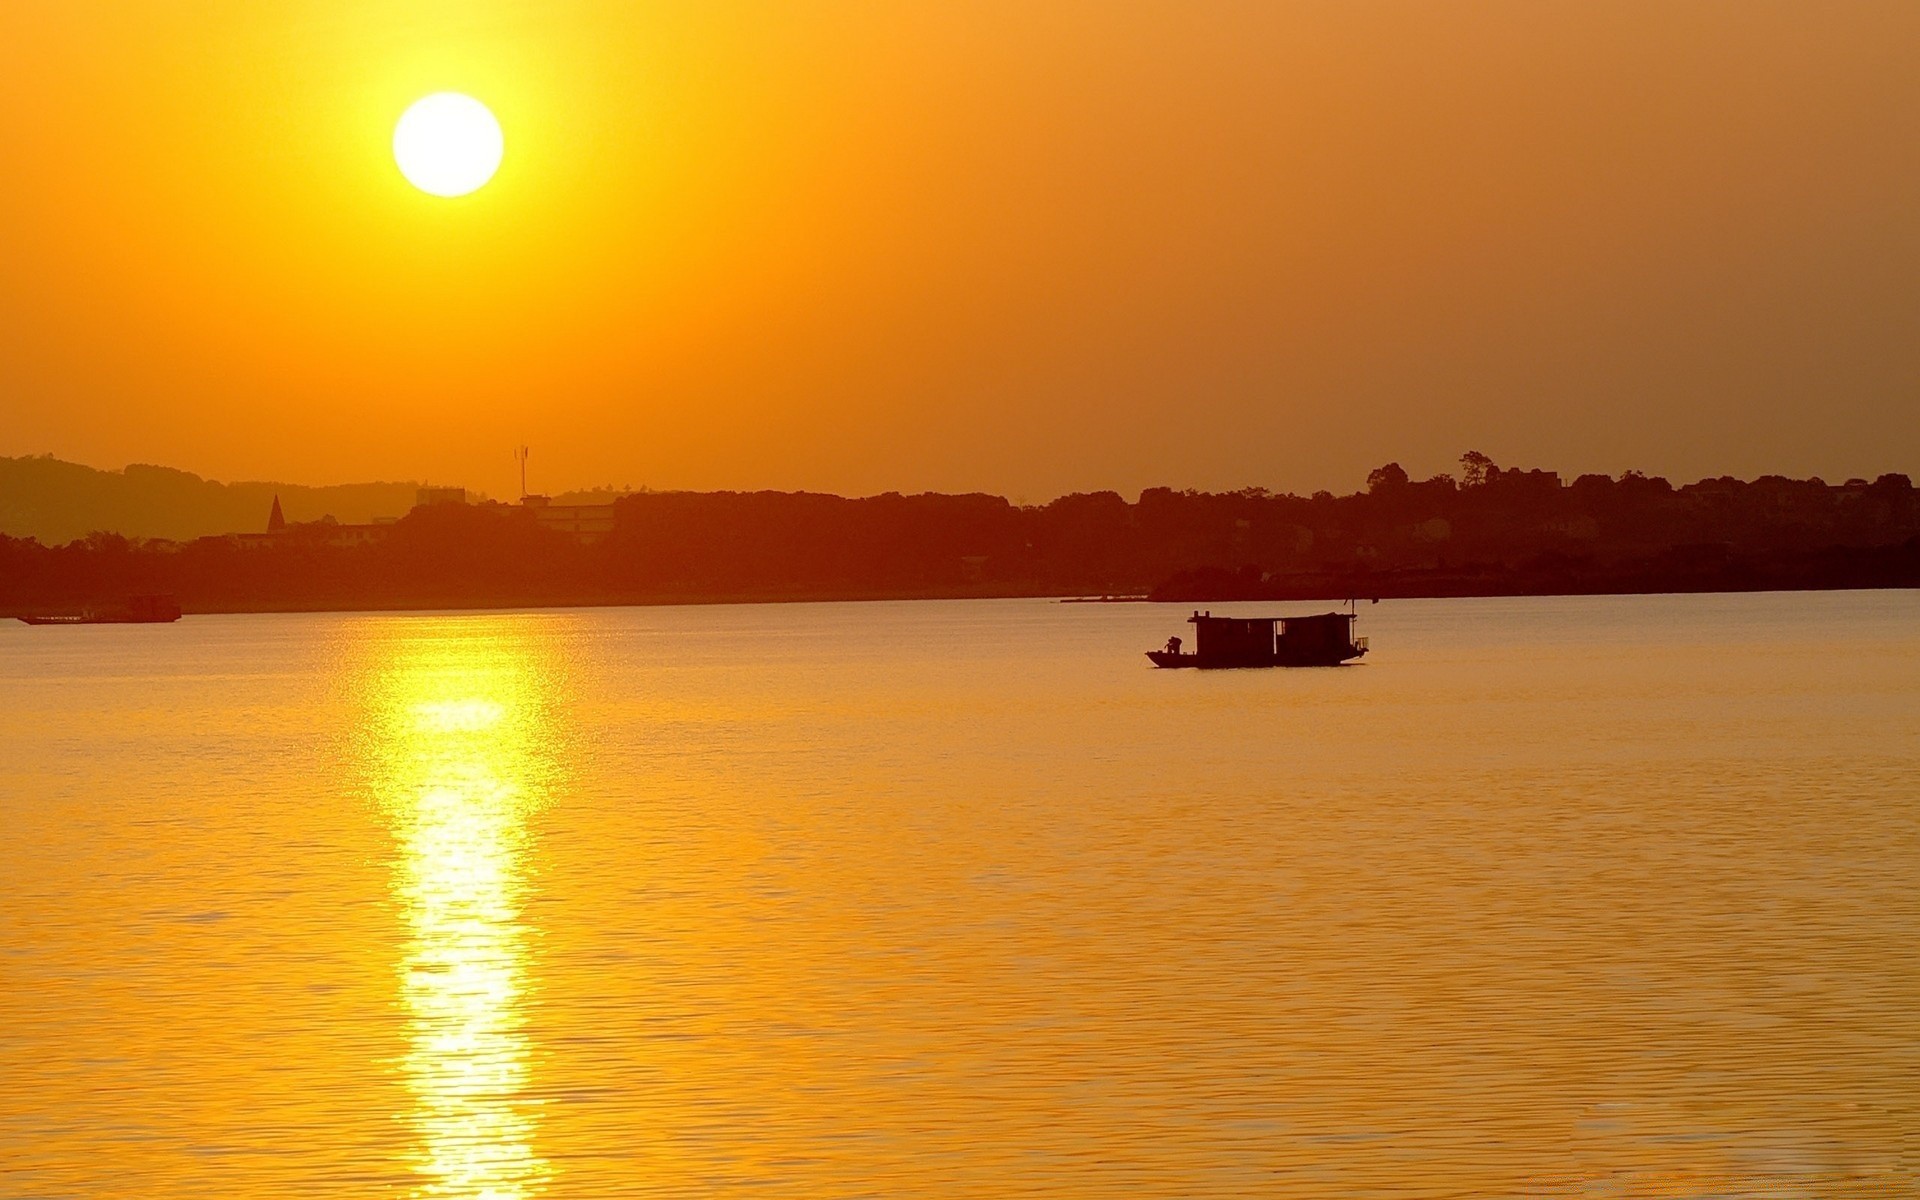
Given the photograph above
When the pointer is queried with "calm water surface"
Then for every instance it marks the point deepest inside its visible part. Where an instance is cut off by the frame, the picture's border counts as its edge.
(1563, 897)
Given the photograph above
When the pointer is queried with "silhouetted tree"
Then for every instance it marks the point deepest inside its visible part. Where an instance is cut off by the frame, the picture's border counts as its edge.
(1475, 467)
(1387, 478)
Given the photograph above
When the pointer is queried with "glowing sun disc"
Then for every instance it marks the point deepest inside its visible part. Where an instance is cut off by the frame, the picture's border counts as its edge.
(447, 144)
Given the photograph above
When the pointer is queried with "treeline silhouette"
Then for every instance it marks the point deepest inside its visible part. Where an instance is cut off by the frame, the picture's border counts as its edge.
(1491, 531)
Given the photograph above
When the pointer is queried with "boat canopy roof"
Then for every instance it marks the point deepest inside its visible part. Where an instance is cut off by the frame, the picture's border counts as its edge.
(1198, 617)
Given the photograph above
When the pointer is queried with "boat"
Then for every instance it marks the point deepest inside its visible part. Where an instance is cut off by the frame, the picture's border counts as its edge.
(1322, 640)
(139, 610)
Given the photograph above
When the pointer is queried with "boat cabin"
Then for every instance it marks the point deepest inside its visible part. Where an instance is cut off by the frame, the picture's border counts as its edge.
(1224, 638)
(1324, 639)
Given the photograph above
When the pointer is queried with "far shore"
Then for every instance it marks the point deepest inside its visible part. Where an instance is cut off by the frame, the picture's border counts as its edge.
(1499, 532)
(1275, 596)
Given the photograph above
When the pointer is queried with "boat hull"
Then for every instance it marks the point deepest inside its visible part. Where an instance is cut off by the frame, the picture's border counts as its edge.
(105, 620)
(1333, 658)
(156, 609)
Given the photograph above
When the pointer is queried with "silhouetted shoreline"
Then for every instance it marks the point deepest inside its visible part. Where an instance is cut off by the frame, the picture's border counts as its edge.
(1494, 533)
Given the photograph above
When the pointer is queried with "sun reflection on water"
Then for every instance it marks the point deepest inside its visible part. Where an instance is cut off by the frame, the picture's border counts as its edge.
(462, 755)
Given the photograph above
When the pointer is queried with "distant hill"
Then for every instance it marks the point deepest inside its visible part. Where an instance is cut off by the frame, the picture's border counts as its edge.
(56, 502)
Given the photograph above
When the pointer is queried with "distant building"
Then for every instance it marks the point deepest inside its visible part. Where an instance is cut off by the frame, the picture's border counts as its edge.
(275, 532)
(355, 535)
(439, 495)
(584, 523)
(326, 531)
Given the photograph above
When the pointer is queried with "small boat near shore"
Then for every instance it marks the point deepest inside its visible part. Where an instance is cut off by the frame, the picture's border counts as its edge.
(139, 610)
(1322, 640)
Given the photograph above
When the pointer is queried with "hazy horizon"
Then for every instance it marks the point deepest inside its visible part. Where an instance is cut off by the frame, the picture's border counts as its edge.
(1452, 468)
(503, 484)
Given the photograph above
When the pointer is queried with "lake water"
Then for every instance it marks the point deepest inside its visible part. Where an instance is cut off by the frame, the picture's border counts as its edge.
(1550, 897)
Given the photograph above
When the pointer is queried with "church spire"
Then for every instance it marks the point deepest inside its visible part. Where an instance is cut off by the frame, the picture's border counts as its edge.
(275, 521)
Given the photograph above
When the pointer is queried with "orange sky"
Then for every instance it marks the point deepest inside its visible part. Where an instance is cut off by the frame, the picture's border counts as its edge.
(1019, 247)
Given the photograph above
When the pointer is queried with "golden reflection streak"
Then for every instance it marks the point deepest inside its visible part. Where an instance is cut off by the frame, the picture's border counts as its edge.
(461, 756)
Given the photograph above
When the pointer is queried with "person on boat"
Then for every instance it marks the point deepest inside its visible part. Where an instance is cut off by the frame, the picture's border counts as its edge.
(1173, 645)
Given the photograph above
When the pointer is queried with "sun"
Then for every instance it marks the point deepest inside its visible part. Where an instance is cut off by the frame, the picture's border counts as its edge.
(447, 144)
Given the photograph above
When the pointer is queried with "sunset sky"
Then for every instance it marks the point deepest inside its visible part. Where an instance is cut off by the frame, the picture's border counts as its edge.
(1019, 247)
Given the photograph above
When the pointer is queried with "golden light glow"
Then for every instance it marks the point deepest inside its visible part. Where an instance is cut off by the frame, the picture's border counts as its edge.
(457, 758)
(448, 144)
(957, 247)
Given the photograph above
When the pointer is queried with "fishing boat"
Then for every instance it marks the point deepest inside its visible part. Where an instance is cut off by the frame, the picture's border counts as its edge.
(1323, 640)
(139, 610)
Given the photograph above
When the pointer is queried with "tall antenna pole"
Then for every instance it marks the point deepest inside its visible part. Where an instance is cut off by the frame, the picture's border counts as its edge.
(521, 454)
